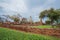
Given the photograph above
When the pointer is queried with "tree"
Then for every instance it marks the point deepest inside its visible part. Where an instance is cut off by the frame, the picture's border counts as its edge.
(24, 20)
(42, 15)
(4, 18)
(47, 22)
(15, 18)
(52, 14)
(1, 19)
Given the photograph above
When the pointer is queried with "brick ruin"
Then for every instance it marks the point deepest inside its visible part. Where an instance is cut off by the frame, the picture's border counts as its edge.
(26, 28)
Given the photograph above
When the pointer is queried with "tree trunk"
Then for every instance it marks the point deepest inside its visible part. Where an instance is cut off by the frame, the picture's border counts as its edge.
(41, 23)
(52, 23)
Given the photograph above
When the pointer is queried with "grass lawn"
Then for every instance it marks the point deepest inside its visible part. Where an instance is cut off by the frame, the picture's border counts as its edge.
(8, 34)
(43, 26)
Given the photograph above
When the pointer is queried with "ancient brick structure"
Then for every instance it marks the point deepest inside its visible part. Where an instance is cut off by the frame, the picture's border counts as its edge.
(51, 31)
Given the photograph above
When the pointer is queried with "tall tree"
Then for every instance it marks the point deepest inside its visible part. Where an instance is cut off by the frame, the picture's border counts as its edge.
(52, 14)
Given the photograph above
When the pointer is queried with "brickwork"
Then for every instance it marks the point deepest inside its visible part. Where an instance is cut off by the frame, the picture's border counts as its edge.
(26, 28)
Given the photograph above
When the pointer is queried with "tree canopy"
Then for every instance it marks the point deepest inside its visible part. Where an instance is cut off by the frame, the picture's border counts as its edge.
(52, 14)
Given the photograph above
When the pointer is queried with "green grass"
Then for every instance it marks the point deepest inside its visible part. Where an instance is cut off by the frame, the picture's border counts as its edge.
(42, 26)
(8, 34)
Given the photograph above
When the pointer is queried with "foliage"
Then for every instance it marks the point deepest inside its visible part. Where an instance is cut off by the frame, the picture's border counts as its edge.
(48, 22)
(52, 14)
(15, 18)
(7, 34)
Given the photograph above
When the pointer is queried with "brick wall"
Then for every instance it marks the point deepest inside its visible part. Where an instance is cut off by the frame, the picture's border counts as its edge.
(51, 32)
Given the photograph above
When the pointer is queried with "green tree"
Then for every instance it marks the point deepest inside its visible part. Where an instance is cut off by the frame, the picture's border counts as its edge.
(47, 22)
(42, 15)
(15, 18)
(52, 14)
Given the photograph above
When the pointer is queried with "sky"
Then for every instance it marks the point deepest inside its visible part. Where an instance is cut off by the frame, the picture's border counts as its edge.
(27, 8)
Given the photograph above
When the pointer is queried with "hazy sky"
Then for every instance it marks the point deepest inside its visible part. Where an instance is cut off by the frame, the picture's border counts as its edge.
(27, 7)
